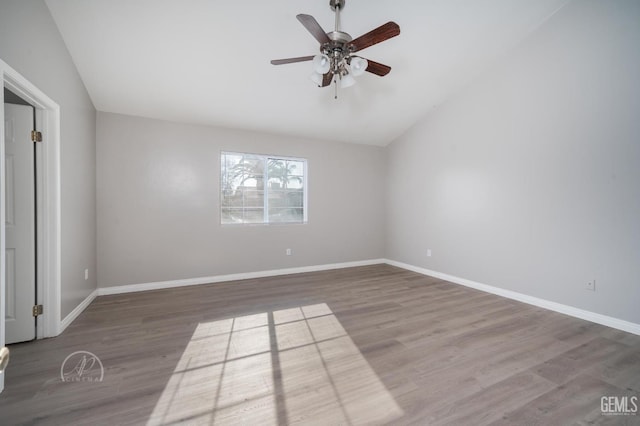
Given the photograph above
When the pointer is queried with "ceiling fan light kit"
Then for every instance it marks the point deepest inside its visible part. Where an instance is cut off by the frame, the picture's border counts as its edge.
(336, 62)
(321, 64)
(358, 66)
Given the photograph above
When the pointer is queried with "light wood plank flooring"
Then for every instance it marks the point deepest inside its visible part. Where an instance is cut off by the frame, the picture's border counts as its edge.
(369, 345)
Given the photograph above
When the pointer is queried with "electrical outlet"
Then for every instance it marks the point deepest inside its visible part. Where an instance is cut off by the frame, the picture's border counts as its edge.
(428, 252)
(86, 274)
(288, 252)
(591, 285)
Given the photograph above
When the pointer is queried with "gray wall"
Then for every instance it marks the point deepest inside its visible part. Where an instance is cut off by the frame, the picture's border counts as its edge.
(31, 44)
(528, 180)
(158, 203)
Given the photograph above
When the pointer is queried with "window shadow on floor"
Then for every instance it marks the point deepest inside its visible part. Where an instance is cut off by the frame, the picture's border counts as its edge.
(276, 367)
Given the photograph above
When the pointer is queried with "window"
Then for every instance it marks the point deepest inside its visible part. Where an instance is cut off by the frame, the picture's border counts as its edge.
(262, 189)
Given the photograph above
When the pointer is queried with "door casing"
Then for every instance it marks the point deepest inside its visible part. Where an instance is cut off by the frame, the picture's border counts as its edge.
(48, 202)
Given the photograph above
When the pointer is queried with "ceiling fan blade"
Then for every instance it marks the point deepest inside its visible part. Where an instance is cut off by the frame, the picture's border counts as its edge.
(327, 79)
(378, 68)
(380, 34)
(314, 28)
(291, 60)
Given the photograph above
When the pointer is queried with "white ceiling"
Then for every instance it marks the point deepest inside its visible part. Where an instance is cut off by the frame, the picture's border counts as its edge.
(207, 61)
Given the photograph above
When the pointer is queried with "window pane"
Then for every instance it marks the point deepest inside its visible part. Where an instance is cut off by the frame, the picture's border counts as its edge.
(277, 198)
(254, 215)
(296, 168)
(253, 198)
(284, 173)
(231, 215)
(229, 181)
(289, 215)
(274, 183)
(295, 183)
(295, 198)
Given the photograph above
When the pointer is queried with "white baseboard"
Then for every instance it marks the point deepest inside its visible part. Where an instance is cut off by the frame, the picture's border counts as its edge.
(104, 291)
(77, 311)
(535, 301)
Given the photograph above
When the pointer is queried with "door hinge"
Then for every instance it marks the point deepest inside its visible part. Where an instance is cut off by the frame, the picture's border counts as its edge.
(37, 310)
(36, 136)
(4, 358)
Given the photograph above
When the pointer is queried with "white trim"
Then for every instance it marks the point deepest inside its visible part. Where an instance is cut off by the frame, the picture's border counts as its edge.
(103, 291)
(2, 222)
(535, 301)
(77, 311)
(49, 269)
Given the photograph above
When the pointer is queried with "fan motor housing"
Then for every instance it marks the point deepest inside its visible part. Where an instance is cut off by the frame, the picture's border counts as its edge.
(338, 46)
(339, 37)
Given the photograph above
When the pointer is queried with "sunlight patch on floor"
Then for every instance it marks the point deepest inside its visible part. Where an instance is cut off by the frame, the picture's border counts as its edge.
(288, 366)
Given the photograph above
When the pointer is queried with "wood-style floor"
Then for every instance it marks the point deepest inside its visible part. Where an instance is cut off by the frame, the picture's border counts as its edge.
(369, 345)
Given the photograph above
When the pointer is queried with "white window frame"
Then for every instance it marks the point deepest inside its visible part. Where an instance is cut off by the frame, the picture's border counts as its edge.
(265, 218)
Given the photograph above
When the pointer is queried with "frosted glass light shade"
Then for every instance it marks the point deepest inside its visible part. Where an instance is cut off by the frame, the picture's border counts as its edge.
(321, 64)
(358, 66)
(317, 78)
(347, 80)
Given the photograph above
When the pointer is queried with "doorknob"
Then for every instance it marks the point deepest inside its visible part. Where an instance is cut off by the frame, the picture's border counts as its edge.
(4, 359)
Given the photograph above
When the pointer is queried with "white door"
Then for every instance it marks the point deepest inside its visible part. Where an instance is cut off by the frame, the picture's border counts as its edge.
(20, 233)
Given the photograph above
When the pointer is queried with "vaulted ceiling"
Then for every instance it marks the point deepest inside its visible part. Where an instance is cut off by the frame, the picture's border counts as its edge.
(207, 61)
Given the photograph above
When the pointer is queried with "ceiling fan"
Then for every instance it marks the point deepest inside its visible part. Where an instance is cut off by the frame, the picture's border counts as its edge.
(336, 62)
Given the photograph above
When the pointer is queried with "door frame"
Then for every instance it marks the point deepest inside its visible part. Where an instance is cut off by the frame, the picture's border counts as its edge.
(48, 203)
